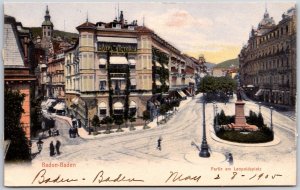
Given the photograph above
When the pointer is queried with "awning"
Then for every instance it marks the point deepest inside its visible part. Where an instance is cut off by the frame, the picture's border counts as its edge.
(118, 106)
(191, 80)
(75, 100)
(157, 64)
(250, 86)
(132, 61)
(118, 78)
(181, 94)
(117, 40)
(48, 103)
(259, 92)
(118, 60)
(60, 106)
(43, 65)
(158, 83)
(102, 61)
(102, 105)
(187, 92)
(133, 82)
(132, 104)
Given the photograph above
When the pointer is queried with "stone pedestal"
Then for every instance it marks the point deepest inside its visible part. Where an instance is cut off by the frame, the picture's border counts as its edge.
(239, 113)
(240, 119)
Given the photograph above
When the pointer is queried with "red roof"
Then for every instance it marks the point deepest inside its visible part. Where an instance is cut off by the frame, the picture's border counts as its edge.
(86, 25)
(143, 29)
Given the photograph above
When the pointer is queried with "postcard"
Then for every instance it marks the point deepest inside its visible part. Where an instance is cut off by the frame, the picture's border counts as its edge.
(150, 94)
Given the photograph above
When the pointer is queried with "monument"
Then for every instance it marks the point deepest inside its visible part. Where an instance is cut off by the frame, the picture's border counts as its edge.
(240, 123)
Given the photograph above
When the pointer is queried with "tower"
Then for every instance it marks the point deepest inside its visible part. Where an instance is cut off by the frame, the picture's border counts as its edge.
(47, 25)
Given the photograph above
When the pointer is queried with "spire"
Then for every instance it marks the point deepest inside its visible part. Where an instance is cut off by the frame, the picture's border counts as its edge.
(47, 15)
(266, 9)
(143, 20)
(87, 16)
(118, 11)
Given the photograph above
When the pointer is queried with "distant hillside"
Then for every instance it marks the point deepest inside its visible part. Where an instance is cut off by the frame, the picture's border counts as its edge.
(209, 65)
(37, 31)
(228, 63)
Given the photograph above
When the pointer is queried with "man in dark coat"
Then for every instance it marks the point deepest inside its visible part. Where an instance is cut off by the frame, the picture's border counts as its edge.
(57, 146)
(52, 149)
(76, 132)
(70, 132)
(159, 143)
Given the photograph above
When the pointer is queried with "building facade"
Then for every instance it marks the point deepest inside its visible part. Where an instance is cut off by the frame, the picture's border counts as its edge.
(116, 68)
(17, 58)
(268, 61)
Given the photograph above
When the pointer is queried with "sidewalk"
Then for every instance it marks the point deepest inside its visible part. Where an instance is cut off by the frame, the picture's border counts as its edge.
(84, 134)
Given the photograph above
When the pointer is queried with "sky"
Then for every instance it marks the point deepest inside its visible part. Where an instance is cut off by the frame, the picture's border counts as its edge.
(217, 30)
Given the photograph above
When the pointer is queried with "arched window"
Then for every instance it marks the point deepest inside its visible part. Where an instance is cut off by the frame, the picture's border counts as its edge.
(118, 108)
(102, 109)
(132, 108)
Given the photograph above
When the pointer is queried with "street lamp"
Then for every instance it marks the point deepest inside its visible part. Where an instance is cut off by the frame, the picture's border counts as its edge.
(271, 110)
(217, 123)
(204, 146)
(157, 115)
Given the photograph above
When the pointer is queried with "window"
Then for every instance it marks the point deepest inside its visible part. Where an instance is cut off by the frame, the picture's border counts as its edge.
(102, 85)
(83, 40)
(132, 111)
(90, 41)
(48, 33)
(102, 112)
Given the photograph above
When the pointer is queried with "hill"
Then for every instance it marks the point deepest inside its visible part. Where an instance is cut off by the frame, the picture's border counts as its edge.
(228, 63)
(37, 31)
(209, 65)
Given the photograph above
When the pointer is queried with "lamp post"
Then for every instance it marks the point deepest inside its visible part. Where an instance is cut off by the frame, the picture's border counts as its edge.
(271, 110)
(259, 106)
(204, 146)
(217, 122)
(157, 115)
(214, 109)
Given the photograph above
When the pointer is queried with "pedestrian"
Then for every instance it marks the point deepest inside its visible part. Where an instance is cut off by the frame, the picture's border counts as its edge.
(39, 144)
(159, 143)
(52, 149)
(57, 146)
(76, 132)
(49, 132)
(70, 132)
(230, 159)
(74, 122)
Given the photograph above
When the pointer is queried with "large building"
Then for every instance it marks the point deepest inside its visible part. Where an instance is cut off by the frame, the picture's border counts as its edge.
(18, 61)
(268, 61)
(116, 68)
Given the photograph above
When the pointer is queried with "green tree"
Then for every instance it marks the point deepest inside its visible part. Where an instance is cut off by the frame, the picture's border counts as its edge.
(222, 119)
(18, 149)
(146, 117)
(119, 121)
(95, 122)
(132, 119)
(163, 109)
(108, 121)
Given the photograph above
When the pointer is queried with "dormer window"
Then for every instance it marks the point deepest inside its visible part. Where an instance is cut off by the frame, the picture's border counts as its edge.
(130, 28)
(117, 26)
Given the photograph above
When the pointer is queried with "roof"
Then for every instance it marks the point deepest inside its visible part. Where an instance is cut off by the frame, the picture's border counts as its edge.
(143, 29)
(86, 25)
(47, 23)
